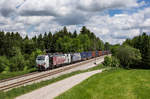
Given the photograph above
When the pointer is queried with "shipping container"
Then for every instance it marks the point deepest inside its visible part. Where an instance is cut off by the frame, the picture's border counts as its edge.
(52, 60)
(75, 57)
(97, 54)
(93, 54)
(100, 53)
(67, 58)
(89, 54)
(103, 52)
(83, 55)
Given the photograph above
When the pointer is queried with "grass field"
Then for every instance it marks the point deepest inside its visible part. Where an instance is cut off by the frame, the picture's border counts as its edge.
(113, 84)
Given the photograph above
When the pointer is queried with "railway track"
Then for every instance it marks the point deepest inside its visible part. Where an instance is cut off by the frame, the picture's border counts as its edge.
(8, 79)
(25, 81)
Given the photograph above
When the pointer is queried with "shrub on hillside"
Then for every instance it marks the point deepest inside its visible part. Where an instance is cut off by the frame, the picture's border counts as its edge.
(32, 58)
(107, 61)
(4, 63)
(111, 61)
(17, 62)
(128, 56)
(115, 62)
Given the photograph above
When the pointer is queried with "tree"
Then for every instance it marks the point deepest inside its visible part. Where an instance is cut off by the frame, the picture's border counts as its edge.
(84, 30)
(100, 44)
(128, 42)
(8, 44)
(26, 38)
(17, 62)
(141, 42)
(75, 34)
(28, 46)
(4, 62)
(146, 59)
(107, 61)
(64, 44)
(34, 39)
(45, 39)
(40, 42)
(76, 45)
(32, 58)
(111, 61)
(114, 49)
(84, 41)
(146, 51)
(21, 52)
(2, 43)
(65, 31)
(128, 56)
(48, 42)
(107, 46)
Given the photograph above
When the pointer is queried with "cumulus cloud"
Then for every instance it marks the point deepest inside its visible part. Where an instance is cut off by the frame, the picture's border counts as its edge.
(45, 8)
(120, 26)
(8, 7)
(98, 5)
(38, 16)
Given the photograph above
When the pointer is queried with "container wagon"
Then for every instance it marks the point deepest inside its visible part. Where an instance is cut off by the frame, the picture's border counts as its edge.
(89, 54)
(93, 54)
(50, 61)
(75, 57)
(83, 55)
(96, 54)
(100, 53)
(103, 52)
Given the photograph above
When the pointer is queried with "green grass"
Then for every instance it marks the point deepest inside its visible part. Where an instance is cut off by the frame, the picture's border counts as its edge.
(14, 74)
(25, 89)
(113, 84)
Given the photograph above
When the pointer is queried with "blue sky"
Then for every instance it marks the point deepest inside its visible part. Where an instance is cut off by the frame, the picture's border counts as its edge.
(113, 20)
(112, 12)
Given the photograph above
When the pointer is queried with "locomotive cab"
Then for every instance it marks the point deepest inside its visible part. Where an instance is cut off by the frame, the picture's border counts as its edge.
(42, 62)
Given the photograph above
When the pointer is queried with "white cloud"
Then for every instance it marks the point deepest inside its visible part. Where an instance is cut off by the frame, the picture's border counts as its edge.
(9, 7)
(117, 28)
(98, 5)
(45, 8)
(38, 16)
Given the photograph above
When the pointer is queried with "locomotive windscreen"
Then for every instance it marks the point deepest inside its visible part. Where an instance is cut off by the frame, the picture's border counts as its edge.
(41, 58)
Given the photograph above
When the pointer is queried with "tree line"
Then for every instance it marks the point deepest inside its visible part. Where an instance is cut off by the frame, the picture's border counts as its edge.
(142, 43)
(18, 53)
(133, 53)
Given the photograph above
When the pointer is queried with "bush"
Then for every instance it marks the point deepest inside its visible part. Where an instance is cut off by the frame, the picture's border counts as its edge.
(115, 62)
(111, 61)
(32, 58)
(128, 56)
(17, 62)
(4, 62)
(107, 61)
(6, 70)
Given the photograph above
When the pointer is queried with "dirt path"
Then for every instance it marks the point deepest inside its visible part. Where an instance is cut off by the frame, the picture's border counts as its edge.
(55, 89)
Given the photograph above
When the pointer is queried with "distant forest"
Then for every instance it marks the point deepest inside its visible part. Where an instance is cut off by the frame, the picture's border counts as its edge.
(18, 53)
(133, 53)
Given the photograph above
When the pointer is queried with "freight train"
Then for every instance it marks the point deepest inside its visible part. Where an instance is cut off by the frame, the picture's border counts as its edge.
(53, 60)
